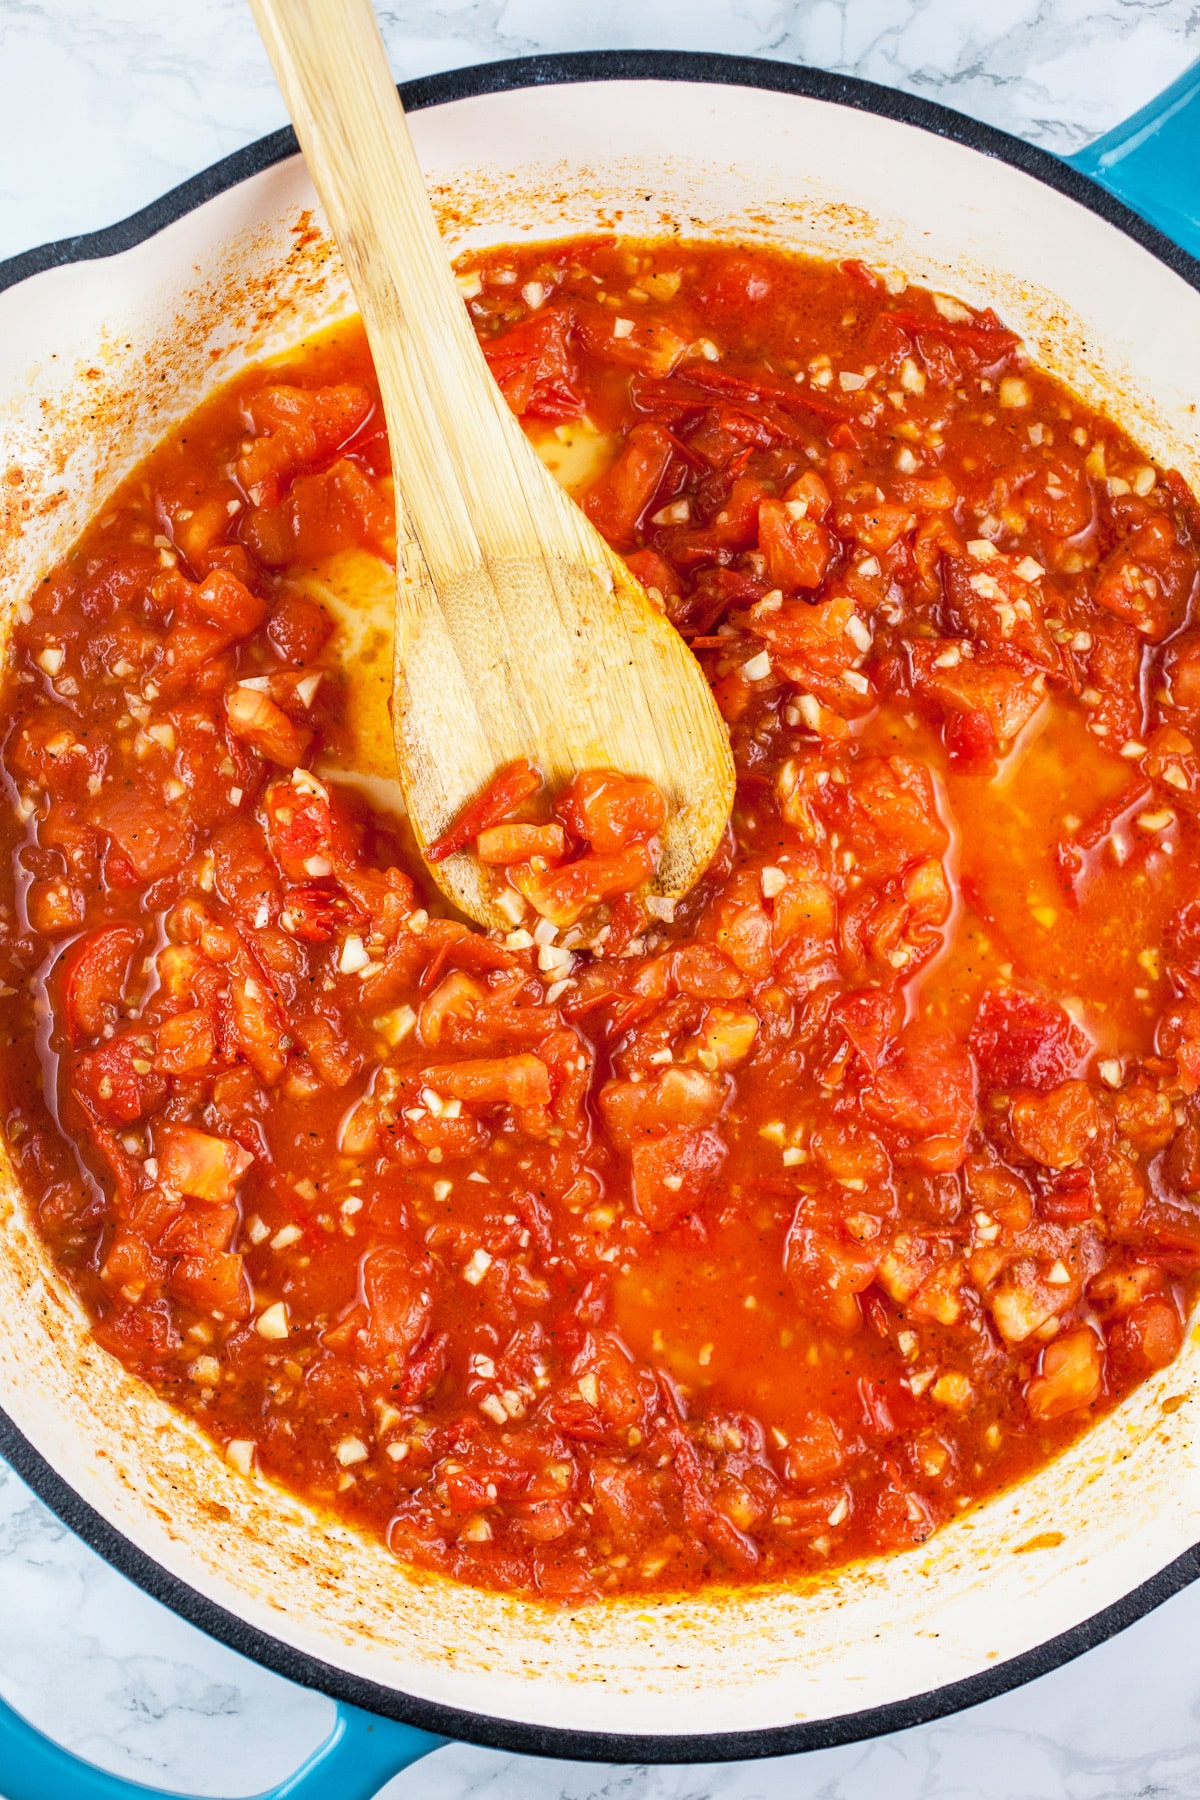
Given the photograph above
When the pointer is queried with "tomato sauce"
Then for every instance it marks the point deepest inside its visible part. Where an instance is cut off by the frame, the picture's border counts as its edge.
(642, 1245)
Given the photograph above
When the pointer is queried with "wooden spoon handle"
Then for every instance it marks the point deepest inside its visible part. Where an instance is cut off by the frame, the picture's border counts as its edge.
(519, 633)
(470, 477)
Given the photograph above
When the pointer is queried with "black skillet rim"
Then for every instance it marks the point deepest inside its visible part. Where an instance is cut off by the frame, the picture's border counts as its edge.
(451, 1722)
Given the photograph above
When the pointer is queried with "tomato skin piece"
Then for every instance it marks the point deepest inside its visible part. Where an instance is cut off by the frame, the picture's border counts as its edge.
(533, 365)
(984, 337)
(514, 784)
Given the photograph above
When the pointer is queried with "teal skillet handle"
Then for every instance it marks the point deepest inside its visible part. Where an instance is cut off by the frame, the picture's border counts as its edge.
(1152, 161)
(359, 1756)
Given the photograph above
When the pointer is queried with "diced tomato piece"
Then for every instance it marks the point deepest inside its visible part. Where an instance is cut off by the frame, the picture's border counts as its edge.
(892, 814)
(871, 1019)
(798, 549)
(564, 895)
(119, 1080)
(151, 840)
(926, 1089)
(1019, 1040)
(827, 1275)
(297, 428)
(503, 844)
(986, 684)
(671, 1174)
(617, 499)
(300, 832)
(340, 509)
(681, 1098)
(1150, 579)
(1182, 664)
(1000, 607)
(877, 524)
(970, 741)
(214, 1282)
(316, 914)
(95, 974)
(646, 341)
(815, 1453)
(1131, 590)
(131, 1265)
(54, 906)
(331, 414)
(1149, 1336)
(1058, 1128)
(1072, 1369)
(610, 811)
(654, 573)
(702, 970)
(228, 602)
(185, 1043)
(254, 717)
(399, 1303)
(298, 628)
(626, 1499)
(194, 1162)
(256, 1027)
(518, 1081)
(48, 749)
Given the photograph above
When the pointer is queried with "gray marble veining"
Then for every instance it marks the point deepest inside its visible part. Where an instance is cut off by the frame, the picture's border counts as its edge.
(103, 105)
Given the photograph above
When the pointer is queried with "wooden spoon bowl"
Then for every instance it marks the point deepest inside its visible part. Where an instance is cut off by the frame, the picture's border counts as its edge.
(519, 633)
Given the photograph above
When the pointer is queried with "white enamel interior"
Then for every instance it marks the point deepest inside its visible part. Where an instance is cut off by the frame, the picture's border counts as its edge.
(95, 359)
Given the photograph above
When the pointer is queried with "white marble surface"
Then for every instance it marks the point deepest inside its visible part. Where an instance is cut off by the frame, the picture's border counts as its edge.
(103, 104)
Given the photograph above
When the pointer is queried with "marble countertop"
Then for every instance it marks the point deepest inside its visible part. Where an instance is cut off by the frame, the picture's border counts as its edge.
(103, 105)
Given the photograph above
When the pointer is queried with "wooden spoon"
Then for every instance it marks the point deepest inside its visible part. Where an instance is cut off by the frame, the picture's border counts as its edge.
(519, 633)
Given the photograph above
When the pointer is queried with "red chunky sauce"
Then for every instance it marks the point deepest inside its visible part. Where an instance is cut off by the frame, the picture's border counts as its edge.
(637, 1247)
